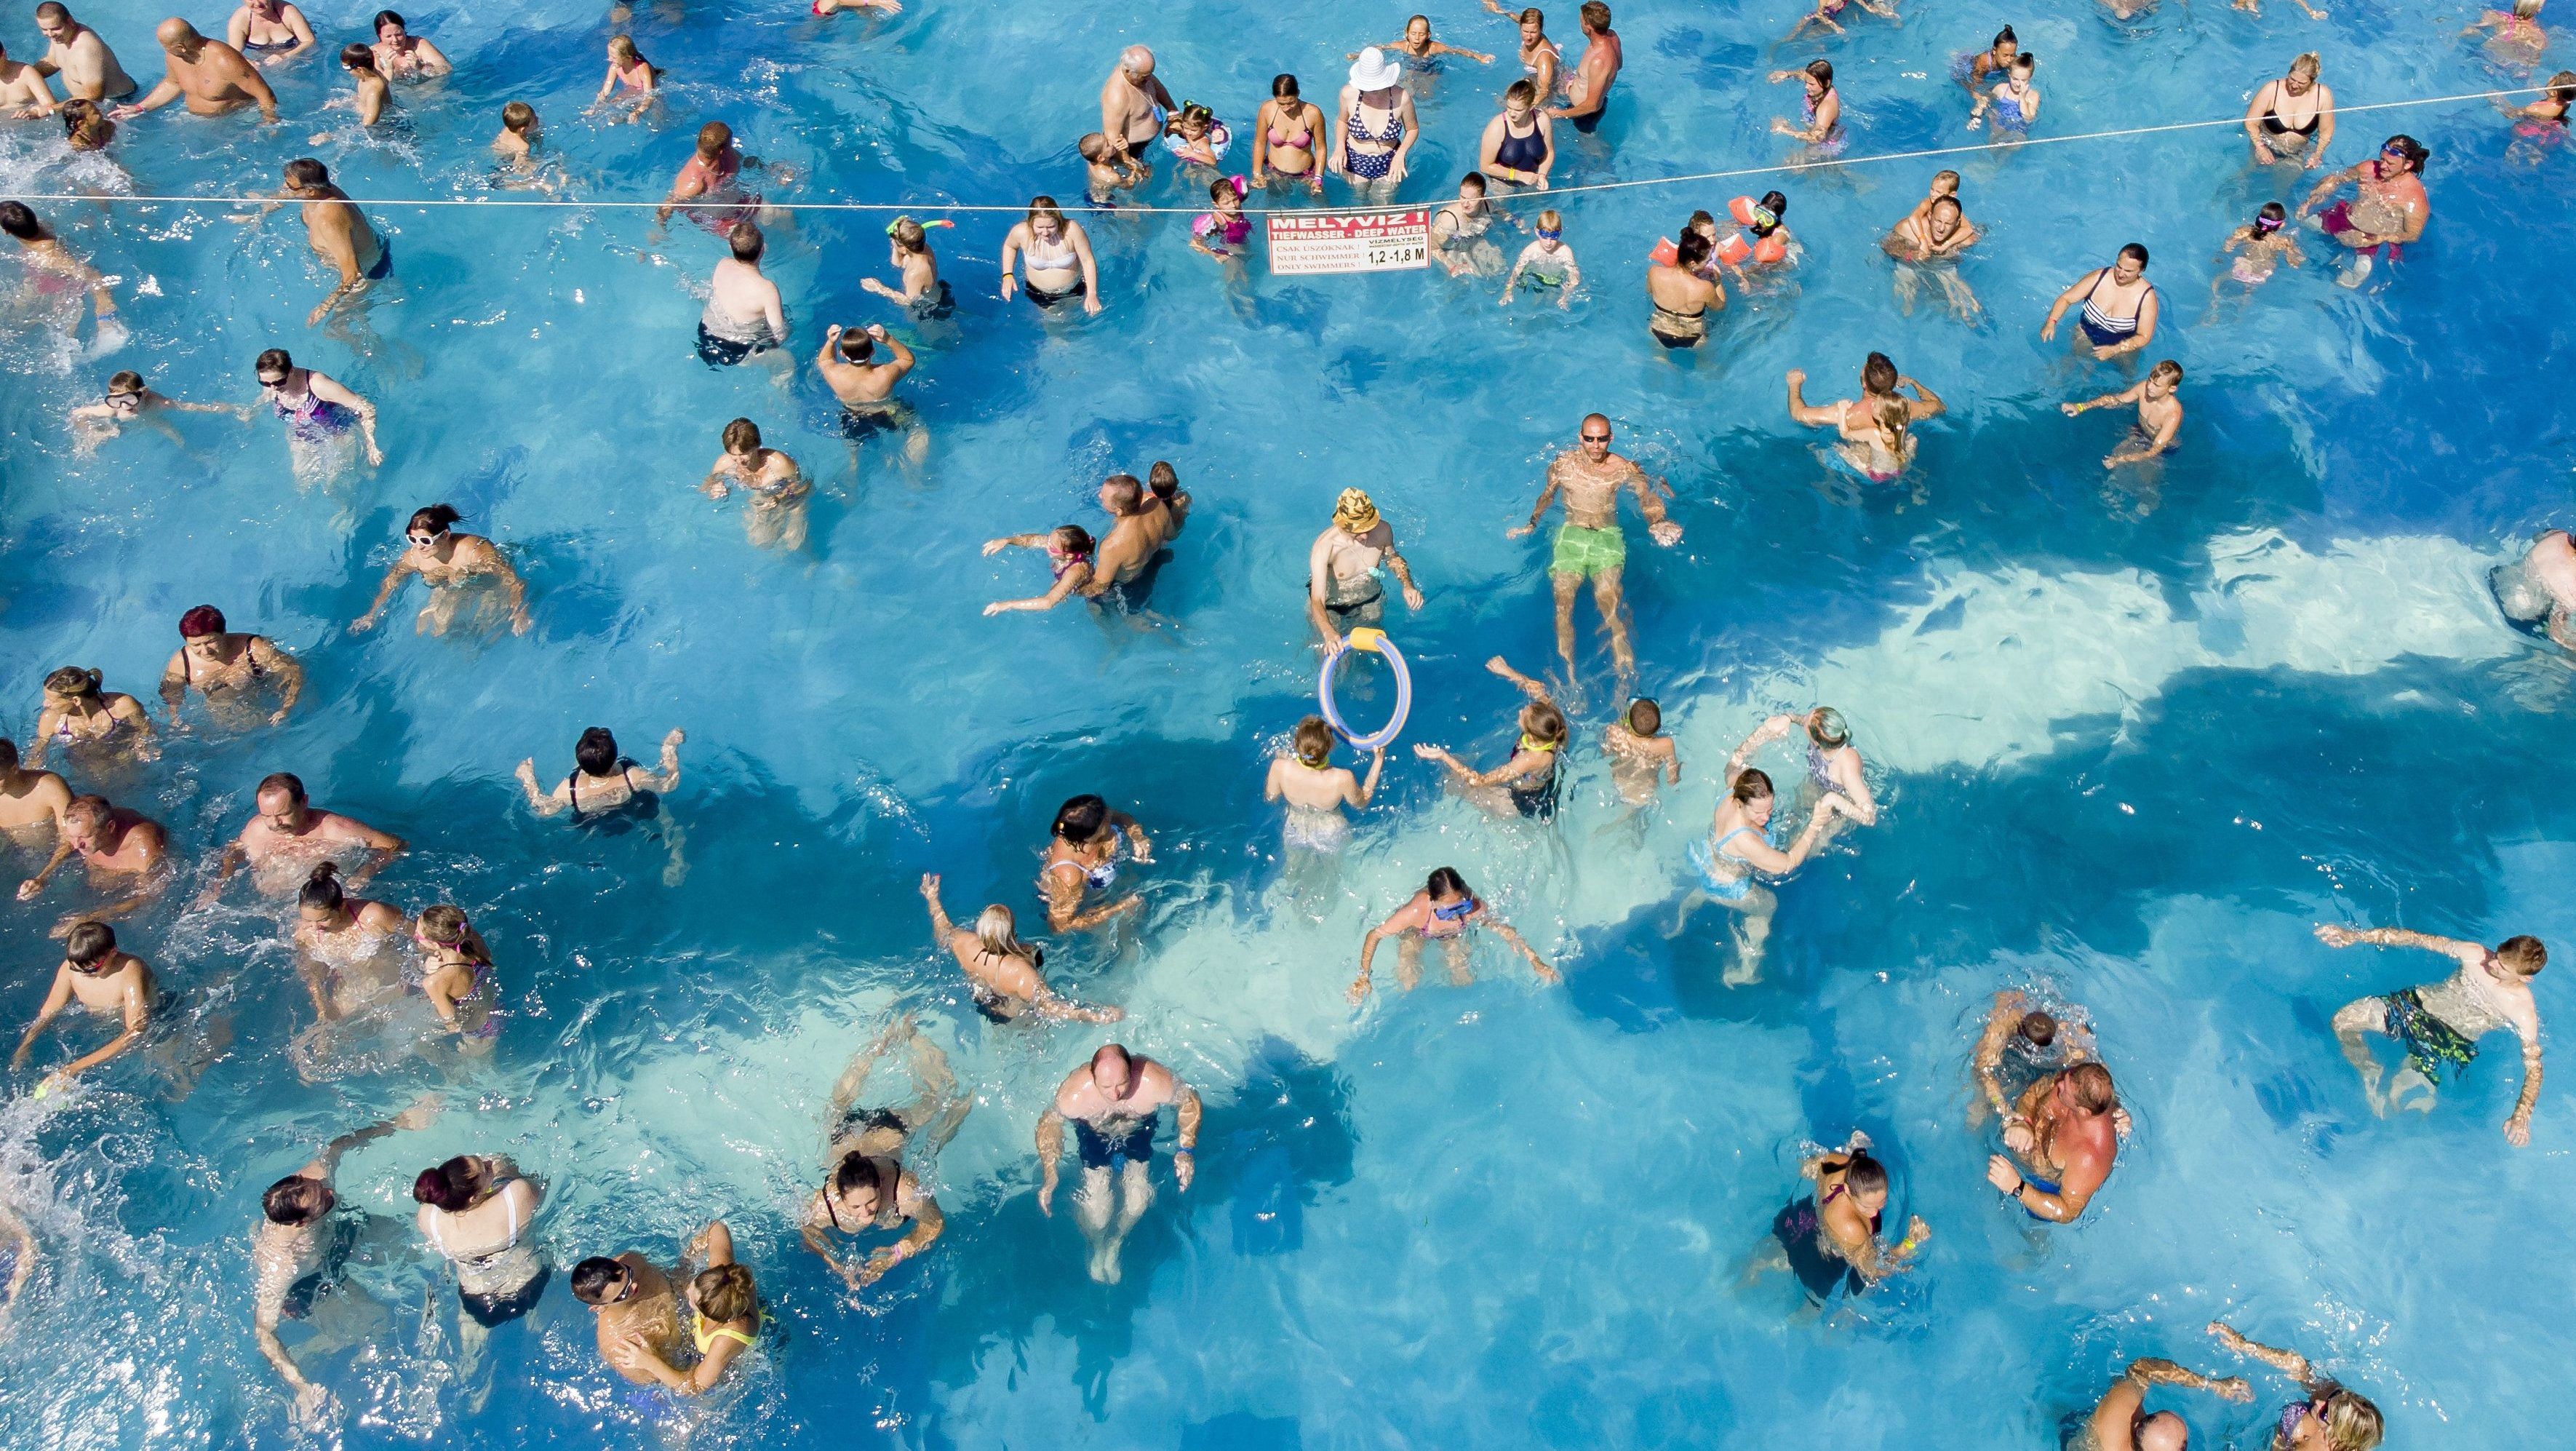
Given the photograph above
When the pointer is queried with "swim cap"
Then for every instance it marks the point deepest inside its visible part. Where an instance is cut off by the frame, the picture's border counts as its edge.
(1355, 512)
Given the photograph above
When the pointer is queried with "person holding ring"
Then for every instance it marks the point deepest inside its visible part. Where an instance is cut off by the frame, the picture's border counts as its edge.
(1346, 571)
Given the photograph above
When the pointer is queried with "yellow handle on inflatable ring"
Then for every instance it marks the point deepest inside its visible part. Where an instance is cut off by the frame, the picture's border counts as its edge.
(1365, 638)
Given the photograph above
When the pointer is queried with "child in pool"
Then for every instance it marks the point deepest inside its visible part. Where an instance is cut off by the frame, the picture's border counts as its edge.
(2015, 102)
(2159, 414)
(1106, 171)
(1196, 136)
(1546, 262)
(1823, 16)
(2259, 247)
(1221, 233)
(1417, 50)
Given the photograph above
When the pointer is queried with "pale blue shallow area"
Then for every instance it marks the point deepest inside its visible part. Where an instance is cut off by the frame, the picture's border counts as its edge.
(2132, 742)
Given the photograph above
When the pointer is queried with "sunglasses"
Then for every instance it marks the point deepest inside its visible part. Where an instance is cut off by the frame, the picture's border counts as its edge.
(424, 538)
(266, 381)
(1596, 438)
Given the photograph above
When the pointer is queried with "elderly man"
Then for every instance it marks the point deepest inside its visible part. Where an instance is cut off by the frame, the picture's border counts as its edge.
(1133, 105)
(1111, 1103)
(209, 73)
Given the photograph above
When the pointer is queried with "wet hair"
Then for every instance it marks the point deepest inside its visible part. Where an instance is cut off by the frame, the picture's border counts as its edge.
(2307, 61)
(999, 932)
(725, 1292)
(444, 1189)
(1425, 19)
(2562, 89)
(713, 138)
(306, 172)
(2352, 1423)
(20, 222)
(74, 681)
(1477, 180)
(2275, 213)
(322, 888)
(1125, 493)
(1701, 221)
(1821, 71)
(297, 1199)
(1752, 785)
(1691, 250)
(383, 19)
(1284, 86)
(857, 346)
(86, 125)
(358, 57)
(1080, 820)
(1045, 206)
(1313, 741)
(746, 242)
(1533, 16)
(1826, 727)
(2524, 955)
(1074, 541)
(443, 924)
(2038, 1029)
(1445, 882)
(1595, 14)
(87, 808)
(2003, 38)
(436, 518)
(286, 781)
(1644, 717)
(2162, 1431)
(1164, 480)
(2136, 252)
(1878, 373)
(594, 1277)
(2026, 62)
(1094, 147)
(2168, 369)
(202, 619)
(273, 360)
(1945, 174)
(1551, 220)
(1777, 204)
(518, 116)
(596, 751)
(909, 235)
(126, 381)
(741, 436)
(2410, 148)
(2525, 9)
(88, 941)
(1546, 722)
(857, 1172)
(1892, 417)
(623, 47)
(2094, 1092)
(1522, 92)
(1863, 1174)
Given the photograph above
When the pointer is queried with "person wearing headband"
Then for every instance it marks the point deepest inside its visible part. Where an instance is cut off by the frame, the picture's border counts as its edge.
(2258, 248)
(908, 253)
(1347, 567)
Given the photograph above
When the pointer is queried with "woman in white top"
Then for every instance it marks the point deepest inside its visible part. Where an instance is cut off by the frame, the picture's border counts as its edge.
(475, 1210)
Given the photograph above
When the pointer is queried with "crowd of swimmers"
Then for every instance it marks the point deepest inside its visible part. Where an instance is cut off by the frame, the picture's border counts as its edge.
(2038, 1072)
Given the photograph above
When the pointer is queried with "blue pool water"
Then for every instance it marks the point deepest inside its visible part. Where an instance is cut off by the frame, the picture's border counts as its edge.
(2131, 742)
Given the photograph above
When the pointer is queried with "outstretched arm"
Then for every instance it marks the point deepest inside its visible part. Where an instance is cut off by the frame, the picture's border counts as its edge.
(1534, 689)
(2287, 1362)
(394, 577)
(1538, 964)
(2467, 954)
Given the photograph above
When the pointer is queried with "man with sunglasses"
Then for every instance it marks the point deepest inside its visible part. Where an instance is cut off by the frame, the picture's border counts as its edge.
(297, 1251)
(1589, 545)
(629, 1298)
(287, 837)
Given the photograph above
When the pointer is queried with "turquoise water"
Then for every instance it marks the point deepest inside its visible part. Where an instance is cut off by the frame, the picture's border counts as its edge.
(2130, 744)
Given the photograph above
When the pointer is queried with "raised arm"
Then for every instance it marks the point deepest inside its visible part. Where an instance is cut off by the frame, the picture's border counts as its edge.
(2287, 1362)
(1534, 689)
(1358, 794)
(1828, 416)
(543, 803)
(2466, 954)
(668, 777)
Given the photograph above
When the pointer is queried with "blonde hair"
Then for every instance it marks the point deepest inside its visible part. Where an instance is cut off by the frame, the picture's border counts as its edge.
(2306, 61)
(725, 1292)
(1550, 220)
(998, 930)
(2352, 1422)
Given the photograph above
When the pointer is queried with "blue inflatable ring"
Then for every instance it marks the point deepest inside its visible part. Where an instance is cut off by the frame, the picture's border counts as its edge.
(1377, 642)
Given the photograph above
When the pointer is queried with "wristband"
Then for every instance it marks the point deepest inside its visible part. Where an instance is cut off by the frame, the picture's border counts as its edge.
(1905, 1246)
(1185, 1149)
(2019, 1184)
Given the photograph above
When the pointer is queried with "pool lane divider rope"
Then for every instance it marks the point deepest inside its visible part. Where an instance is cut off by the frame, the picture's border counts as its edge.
(1790, 168)
(1375, 642)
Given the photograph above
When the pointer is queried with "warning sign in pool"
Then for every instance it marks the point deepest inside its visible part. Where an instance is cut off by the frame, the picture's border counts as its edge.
(1304, 243)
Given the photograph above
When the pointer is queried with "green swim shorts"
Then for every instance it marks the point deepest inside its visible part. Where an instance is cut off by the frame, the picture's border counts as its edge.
(1585, 552)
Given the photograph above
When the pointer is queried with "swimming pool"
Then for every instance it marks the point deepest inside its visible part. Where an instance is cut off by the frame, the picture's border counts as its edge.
(2131, 744)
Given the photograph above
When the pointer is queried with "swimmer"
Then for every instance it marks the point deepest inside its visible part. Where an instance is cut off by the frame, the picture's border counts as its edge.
(869, 1189)
(1420, 50)
(2015, 102)
(630, 72)
(2258, 247)
(724, 1321)
(909, 254)
(1284, 132)
(1346, 571)
(1057, 256)
(374, 92)
(1682, 293)
(1167, 504)
(30, 798)
(23, 92)
(447, 562)
(1112, 1102)
(1457, 238)
(80, 717)
(335, 934)
(1822, 17)
(864, 384)
(1540, 59)
(1442, 911)
(85, 126)
(2540, 595)
(131, 400)
(75, 52)
(2022, 1045)
(777, 489)
(210, 74)
(2388, 210)
(1834, 764)
(2292, 118)
(1876, 428)
(744, 316)
(2329, 1418)
(611, 780)
(709, 189)
(1928, 243)
(1737, 846)
(1133, 105)
(1589, 545)
(2517, 37)
(2536, 127)
(457, 968)
(835, 7)
(1131, 542)
(401, 55)
(223, 666)
(315, 406)
(1517, 147)
(2066, 1125)
(1374, 128)
(1640, 752)
(1081, 858)
(1069, 550)
(1547, 264)
(633, 1310)
(267, 31)
(1196, 136)
(2439, 1024)
(1526, 784)
(117, 846)
(2120, 307)
(2120, 1421)
(52, 272)
(1316, 790)
(1004, 976)
(1971, 70)
(516, 142)
(286, 835)
(2159, 414)
(1829, 1238)
(1587, 91)
(1820, 120)
(475, 1210)
(1223, 231)
(23, 1257)
(105, 980)
(1107, 171)
(299, 1251)
(1772, 243)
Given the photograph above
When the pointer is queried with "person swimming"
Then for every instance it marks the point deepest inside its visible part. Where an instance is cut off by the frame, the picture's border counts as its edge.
(1004, 976)
(2326, 1417)
(872, 1189)
(1316, 790)
(1525, 785)
(1441, 912)
(1828, 1239)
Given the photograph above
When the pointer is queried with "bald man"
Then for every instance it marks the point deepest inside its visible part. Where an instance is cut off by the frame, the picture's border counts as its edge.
(1112, 1102)
(210, 74)
(1132, 106)
(2118, 1424)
